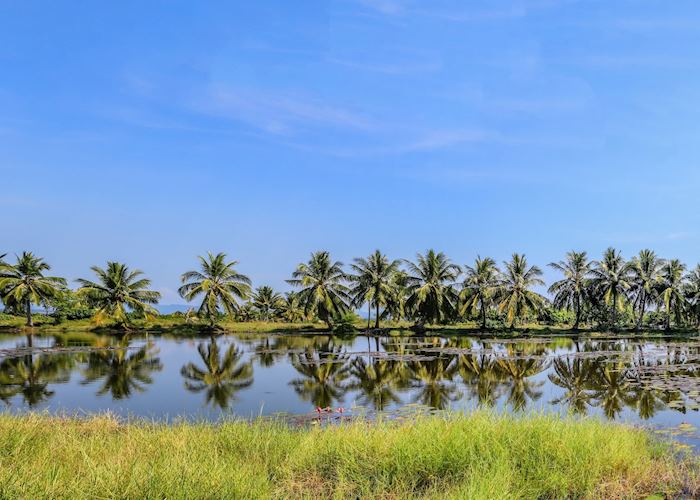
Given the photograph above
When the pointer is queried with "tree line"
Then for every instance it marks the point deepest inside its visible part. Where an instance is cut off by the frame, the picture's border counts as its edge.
(431, 289)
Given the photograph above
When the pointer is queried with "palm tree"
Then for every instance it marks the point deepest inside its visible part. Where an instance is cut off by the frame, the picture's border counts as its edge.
(117, 290)
(671, 291)
(645, 269)
(611, 280)
(266, 301)
(434, 379)
(430, 280)
(480, 284)
(30, 376)
(290, 308)
(122, 371)
(692, 293)
(373, 282)
(517, 368)
(221, 377)
(24, 283)
(220, 284)
(514, 294)
(571, 292)
(323, 291)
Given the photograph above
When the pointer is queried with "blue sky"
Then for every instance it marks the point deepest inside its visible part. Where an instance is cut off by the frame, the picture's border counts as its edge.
(151, 132)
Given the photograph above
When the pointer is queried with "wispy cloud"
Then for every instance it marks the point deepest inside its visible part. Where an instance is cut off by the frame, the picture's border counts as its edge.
(494, 11)
(278, 112)
(389, 68)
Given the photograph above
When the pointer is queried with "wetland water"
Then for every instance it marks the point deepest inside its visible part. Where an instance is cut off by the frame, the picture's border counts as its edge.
(651, 381)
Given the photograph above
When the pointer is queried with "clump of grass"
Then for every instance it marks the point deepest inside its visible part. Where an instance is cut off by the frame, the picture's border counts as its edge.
(481, 455)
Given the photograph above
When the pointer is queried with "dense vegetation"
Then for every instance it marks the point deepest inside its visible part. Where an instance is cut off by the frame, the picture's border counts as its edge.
(643, 292)
(477, 456)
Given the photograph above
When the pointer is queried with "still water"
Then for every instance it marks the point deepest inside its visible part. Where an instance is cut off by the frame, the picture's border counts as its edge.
(655, 382)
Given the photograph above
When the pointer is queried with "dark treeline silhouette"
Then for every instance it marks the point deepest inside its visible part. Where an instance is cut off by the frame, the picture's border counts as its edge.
(643, 292)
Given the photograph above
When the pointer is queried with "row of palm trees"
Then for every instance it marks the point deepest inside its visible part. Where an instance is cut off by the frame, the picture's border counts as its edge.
(431, 289)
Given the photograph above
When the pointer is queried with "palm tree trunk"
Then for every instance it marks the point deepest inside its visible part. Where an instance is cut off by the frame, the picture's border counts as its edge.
(369, 314)
(578, 313)
(614, 310)
(483, 315)
(376, 319)
(642, 307)
(668, 316)
(28, 306)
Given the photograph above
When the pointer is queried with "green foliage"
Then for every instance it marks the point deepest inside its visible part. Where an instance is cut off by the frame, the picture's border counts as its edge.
(68, 305)
(323, 290)
(118, 290)
(220, 285)
(430, 285)
(514, 296)
(346, 323)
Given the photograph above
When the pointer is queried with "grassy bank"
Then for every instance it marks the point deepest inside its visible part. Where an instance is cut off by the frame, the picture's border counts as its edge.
(476, 456)
(176, 325)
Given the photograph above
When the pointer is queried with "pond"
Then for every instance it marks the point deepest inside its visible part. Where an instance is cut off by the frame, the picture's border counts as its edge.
(650, 381)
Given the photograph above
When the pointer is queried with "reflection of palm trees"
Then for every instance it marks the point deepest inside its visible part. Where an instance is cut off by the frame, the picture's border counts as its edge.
(31, 375)
(481, 375)
(324, 373)
(376, 382)
(221, 378)
(612, 388)
(516, 371)
(122, 370)
(434, 379)
(575, 376)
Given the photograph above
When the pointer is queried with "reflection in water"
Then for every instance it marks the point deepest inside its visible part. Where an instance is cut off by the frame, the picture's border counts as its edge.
(122, 370)
(324, 375)
(221, 378)
(30, 376)
(613, 377)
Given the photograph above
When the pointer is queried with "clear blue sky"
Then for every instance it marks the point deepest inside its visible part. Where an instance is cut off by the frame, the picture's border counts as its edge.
(151, 132)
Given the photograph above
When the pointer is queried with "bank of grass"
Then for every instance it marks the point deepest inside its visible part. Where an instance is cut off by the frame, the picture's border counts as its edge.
(481, 455)
(177, 325)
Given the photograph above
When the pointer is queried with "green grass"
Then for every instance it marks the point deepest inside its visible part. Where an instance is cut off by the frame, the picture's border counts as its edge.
(481, 455)
(176, 325)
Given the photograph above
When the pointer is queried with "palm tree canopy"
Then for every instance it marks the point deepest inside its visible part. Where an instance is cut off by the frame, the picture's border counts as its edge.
(611, 277)
(266, 301)
(323, 290)
(479, 285)
(430, 286)
(372, 279)
(25, 283)
(117, 290)
(514, 294)
(218, 282)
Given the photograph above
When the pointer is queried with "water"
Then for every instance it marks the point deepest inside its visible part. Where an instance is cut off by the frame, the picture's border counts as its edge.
(655, 382)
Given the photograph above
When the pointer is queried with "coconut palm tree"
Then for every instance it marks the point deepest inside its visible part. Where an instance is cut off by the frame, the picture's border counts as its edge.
(430, 287)
(514, 294)
(219, 283)
(118, 290)
(24, 284)
(30, 376)
(434, 380)
(610, 281)
(266, 301)
(290, 308)
(479, 286)
(671, 291)
(221, 377)
(373, 282)
(645, 276)
(571, 293)
(323, 290)
(692, 293)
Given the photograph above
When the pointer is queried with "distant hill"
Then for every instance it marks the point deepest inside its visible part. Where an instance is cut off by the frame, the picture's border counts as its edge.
(171, 308)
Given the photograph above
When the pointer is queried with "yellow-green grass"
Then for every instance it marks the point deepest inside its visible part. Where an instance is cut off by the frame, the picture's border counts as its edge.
(481, 455)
